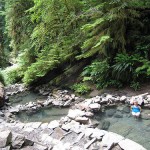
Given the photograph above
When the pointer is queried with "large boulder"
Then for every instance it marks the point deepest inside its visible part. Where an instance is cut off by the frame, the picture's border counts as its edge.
(5, 138)
(1, 94)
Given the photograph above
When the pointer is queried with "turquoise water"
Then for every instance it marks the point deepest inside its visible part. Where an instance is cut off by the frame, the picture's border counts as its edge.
(43, 115)
(122, 122)
(25, 97)
(116, 119)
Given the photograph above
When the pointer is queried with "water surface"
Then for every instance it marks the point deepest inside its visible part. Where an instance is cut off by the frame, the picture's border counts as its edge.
(119, 120)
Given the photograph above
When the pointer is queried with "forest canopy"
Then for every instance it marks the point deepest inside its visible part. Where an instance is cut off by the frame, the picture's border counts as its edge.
(40, 36)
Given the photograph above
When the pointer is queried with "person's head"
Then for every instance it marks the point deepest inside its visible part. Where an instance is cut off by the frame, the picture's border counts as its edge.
(135, 102)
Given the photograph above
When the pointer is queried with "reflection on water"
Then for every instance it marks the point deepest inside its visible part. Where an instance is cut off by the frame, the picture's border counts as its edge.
(43, 115)
(119, 120)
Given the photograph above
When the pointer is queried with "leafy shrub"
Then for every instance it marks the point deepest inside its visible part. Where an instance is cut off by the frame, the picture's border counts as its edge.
(135, 85)
(2, 77)
(97, 72)
(124, 67)
(13, 74)
(81, 88)
(144, 68)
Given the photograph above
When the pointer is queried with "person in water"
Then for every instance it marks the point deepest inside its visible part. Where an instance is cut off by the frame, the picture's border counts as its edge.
(136, 109)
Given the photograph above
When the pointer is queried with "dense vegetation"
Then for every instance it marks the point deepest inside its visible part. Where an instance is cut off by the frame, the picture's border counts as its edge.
(38, 36)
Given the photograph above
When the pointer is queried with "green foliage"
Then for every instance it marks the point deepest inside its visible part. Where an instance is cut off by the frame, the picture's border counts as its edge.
(46, 34)
(81, 88)
(135, 85)
(2, 78)
(124, 67)
(98, 72)
(106, 32)
(13, 74)
(145, 68)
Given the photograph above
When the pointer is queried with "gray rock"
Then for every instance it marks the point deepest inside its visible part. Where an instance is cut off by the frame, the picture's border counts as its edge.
(98, 134)
(40, 147)
(130, 145)
(95, 106)
(17, 140)
(5, 138)
(6, 148)
(75, 113)
(111, 138)
(117, 147)
(88, 132)
(1, 114)
(105, 125)
(14, 110)
(89, 114)
(36, 125)
(126, 109)
(1, 94)
(110, 112)
(83, 120)
(87, 145)
(28, 142)
(53, 124)
(123, 98)
(118, 115)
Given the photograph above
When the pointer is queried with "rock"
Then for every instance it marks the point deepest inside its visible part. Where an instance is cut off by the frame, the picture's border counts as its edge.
(89, 114)
(98, 134)
(126, 109)
(88, 132)
(145, 116)
(6, 148)
(130, 145)
(1, 114)
(109, 97)
(1, 95)
(117, 147)
(44, 126)
(110, 138)
(14, 110)
(5, 138)
(105, 125)
(73, 96)
(28, 142)
(17, 140)
(87, 145)
(94, 123)
(83, 120)
(36, 125)
(58, 133)
(110, 112)
(81, 135)
(15, 88)
(97, 99)
(67, 103)
(39, 147)
(95, 106)
(53, 124)
(75, 113)
(123, 98)
(118, 115)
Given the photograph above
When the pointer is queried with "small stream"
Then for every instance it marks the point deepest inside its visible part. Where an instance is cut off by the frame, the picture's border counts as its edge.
(116, 119)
